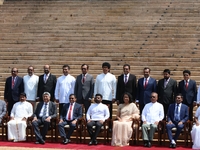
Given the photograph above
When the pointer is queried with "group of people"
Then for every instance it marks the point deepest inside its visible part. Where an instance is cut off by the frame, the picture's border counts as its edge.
(164, 100)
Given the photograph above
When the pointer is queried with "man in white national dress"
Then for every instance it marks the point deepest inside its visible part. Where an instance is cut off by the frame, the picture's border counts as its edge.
(19, 114)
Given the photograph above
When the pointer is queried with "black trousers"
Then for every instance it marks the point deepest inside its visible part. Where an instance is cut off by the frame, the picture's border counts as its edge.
(94, 134)
(40, 136)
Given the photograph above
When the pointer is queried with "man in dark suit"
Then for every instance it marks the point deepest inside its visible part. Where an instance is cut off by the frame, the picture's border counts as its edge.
(71, 112)
(84, 87)
(126, 83)
(176, 117)
(188, 89)
(167, 88)
(13, 87)
(146, 86)
(47, 83)
(44, 112)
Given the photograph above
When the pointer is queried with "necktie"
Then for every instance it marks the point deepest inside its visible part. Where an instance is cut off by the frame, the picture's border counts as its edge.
(176, 115)
(165, 84)
(186, 85)
(13, 82)
(126, 80)
(45, 79)
(70, 112)
(44, 111)
(146, 82)
(83, 80)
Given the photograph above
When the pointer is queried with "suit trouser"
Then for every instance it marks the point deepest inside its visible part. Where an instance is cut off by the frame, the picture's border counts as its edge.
(109, 104)
(85, 103)
(60, 108)
(36, 124)
(141, 106)
(61, 128)
(94, 134)
(190, 110)
(178, 130)
(147, 134)
(10, 106)
(166, 107)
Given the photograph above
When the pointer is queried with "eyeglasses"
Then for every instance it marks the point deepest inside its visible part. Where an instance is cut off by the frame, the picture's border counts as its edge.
(71, 98)
(13, 71)
(83, 68)
(153, 97)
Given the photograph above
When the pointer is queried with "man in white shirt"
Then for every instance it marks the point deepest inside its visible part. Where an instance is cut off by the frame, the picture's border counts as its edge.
(31, 85)
(19, 114)
(96, 115)
(106, 86)
(64, 87)
(152, 113)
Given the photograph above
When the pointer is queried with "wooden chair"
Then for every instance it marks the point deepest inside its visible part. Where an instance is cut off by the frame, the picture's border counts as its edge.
(104, 130)
(185, 132)
(53, 127)
(3, 127)
(138, 131)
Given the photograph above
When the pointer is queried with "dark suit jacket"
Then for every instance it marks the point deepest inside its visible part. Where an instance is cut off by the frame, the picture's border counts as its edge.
(184, 113)
(49, 86)
(13, 94)
(77, 111)
(52, 109)
(84, 90)
(189, 95)
(166, 95)
(129, 87)
(144, 94)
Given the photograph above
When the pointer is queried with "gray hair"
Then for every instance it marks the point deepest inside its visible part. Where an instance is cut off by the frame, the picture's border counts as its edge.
(46, 93)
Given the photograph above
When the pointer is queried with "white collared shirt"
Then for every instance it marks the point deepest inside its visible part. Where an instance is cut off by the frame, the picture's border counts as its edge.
(64, 87)
(21, 110)
(152, 112)
(98, 112)
(30, 86)
(106, 86)
(125, 77)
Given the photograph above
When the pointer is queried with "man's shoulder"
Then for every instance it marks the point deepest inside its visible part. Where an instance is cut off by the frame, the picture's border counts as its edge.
(2, 102)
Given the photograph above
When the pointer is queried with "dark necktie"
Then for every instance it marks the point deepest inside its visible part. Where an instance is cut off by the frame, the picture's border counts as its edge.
(44, 111)
(186, 85)
(83, 80)
(13, 82)
(176, 115)
(126, 80)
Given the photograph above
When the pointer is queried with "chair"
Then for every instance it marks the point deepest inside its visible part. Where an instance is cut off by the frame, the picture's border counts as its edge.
(3, 127)
(53, 126)
(104, 130)
(78, 131)
(185, 132)
(138, 130)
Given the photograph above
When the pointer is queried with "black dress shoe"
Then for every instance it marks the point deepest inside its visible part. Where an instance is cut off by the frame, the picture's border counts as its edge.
(90, 143)
(42, 142)
(65, 141)
(149, 144)
(173, 145)
(95, 142)
(145, 144)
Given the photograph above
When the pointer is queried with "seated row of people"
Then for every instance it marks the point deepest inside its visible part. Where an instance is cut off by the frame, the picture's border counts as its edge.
(96, 115)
